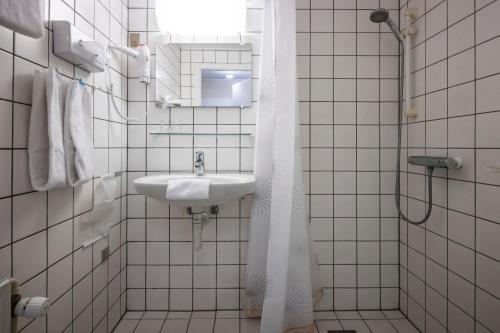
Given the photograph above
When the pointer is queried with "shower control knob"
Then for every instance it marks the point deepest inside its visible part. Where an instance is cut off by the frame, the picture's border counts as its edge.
(32, 307)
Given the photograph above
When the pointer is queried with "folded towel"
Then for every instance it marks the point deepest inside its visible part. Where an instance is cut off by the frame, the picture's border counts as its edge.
(45, 142)
(180, 189)
(23, 16)
(78, 135)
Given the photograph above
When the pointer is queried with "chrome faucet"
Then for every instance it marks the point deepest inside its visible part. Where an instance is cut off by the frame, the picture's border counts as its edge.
(199, 163)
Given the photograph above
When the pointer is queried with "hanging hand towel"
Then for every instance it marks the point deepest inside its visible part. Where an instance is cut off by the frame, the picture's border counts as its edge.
(78, 135)
(182, 189)
(23, 16)
(45, 143)
(102, 214)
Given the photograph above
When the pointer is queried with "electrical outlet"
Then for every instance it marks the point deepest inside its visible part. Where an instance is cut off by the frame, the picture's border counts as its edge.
(134, 39)
(105, 254)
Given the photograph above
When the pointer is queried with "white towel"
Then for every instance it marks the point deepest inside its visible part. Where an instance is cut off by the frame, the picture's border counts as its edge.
(78, 135)
(45, 143)
(104, 194)
(23, 16)
(182, 189)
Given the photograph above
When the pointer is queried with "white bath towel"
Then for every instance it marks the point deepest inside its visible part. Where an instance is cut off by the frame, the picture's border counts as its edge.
(23, 16)
(77, 131)
(182, 189)
(45, 143)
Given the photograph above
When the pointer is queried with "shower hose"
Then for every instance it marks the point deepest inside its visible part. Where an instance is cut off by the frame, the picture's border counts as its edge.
(398, 162)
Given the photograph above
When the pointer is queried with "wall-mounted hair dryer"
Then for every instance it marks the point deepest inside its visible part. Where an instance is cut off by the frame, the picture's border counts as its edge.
(144, 63)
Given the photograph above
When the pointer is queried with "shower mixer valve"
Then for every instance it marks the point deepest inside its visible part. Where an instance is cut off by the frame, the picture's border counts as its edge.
(436, 162)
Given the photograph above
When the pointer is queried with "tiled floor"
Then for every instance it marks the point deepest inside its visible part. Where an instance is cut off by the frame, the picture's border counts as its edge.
(234, 322)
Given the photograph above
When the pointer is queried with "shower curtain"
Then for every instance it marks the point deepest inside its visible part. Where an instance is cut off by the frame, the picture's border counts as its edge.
(279, 275)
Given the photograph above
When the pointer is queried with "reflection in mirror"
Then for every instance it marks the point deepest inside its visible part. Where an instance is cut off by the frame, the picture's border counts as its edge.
(216, 75)
(226, 88)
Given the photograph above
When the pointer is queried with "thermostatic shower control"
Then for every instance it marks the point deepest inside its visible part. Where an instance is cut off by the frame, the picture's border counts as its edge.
(436, 162)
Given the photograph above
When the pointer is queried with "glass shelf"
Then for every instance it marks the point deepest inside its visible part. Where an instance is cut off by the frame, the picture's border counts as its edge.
(206, 134)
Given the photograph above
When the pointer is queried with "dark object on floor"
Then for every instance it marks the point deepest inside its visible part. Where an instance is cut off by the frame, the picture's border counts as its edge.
(342, 331)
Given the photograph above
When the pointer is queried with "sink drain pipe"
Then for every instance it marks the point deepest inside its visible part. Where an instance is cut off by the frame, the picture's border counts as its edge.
(199, 219)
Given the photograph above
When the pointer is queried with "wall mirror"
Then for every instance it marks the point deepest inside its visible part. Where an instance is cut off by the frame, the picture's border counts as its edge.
(206, 75)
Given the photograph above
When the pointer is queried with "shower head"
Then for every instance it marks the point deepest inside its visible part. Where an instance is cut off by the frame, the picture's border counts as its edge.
(381, 15)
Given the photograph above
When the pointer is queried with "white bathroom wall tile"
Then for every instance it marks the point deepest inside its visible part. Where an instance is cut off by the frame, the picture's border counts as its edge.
(82, 259)
(459, 194)
(461, 68)
(321, 43)
(5, 124)
(461, 132)
(458, 10)
(60, 205)
(486, 54)
(227, 298)
(486, 207)
(58, 244)
(488, 272)
(322, 20)
(436, 76)
(29, 221)
(135, 299)
(60, 314)
(136, 253)
(486, 96)
(58, 282)
(23, 84)
(487, 307)
(461, 35)
(436, 48)
(485, 238)
(5, 167)
(157, 277)
(136, 230)
(35, 50)
(486, 26)
(181, 277)
(344, 299)
(181, 299)
(461, 228)
(29, 256)
(461, 100)
(157, 253)
(21, 176)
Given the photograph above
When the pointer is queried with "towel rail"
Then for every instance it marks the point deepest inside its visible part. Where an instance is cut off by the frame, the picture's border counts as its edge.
(92, 241)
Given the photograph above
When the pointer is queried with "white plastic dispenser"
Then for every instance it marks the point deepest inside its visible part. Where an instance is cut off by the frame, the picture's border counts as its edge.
(74, 46)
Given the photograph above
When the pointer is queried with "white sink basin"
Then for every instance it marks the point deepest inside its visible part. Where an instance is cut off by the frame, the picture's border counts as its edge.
(222, 188)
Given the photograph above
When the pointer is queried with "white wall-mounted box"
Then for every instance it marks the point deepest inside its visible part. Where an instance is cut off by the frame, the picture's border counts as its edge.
(74, 46)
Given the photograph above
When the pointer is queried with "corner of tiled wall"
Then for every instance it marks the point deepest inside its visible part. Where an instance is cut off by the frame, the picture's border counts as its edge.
(40, 241)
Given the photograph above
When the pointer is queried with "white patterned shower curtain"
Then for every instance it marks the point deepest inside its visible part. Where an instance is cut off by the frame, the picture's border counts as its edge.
(279, 277)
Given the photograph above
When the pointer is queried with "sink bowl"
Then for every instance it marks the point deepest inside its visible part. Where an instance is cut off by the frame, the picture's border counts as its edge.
(222, 188)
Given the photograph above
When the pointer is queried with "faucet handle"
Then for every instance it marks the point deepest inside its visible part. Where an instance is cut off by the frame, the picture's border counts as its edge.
(199, 155)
